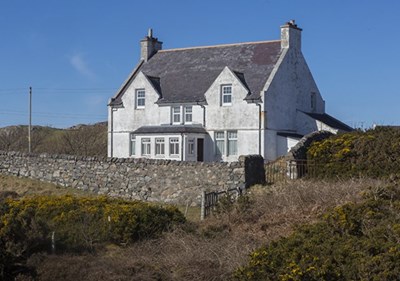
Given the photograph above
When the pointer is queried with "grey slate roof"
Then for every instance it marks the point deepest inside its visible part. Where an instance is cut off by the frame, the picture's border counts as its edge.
(330, 121)
(171, 129)
(184, 75)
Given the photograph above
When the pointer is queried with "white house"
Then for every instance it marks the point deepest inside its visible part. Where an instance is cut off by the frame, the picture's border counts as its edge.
(215, 103)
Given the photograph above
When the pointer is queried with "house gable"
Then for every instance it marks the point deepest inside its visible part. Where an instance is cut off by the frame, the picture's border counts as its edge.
(236, 114)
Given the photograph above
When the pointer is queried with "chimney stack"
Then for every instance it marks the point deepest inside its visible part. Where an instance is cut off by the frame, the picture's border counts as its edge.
(290, 35)
(149, 46)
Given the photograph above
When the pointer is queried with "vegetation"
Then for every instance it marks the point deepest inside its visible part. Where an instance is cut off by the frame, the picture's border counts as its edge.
(353, 242)
(85, 140)
(207, 250)
(75, 224)
(374, 153)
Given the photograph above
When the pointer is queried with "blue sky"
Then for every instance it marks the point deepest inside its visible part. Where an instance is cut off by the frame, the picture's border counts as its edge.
(76, 54)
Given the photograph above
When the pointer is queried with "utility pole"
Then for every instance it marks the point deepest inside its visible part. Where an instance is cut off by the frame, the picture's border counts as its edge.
(30, 121)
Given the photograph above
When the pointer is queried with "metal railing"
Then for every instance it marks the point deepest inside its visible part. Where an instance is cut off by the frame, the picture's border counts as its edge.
(282, 171)
(209, 200)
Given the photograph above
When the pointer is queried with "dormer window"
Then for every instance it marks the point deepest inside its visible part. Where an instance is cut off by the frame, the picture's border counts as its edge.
(188, 114)
(176, 115)
(140, 98)
(226, 94)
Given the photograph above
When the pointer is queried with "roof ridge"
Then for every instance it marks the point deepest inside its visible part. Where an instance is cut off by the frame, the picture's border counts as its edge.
(217, 46)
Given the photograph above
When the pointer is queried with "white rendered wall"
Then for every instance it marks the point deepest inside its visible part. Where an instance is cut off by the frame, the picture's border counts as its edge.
(240, 116)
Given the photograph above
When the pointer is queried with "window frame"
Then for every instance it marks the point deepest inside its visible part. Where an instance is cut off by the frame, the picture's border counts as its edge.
(219, 139)
(186, 114)
(138, 98)
(132, 145)
(191, 147)
(174, 146)
(160, 147)
(230, 141)
(178, 114)
(145, 146)
(226, 94)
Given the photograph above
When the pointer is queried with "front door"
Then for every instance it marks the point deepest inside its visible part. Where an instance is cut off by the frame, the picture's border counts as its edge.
(200, 150)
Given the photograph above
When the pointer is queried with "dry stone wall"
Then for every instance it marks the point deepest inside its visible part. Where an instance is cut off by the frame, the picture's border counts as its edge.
(144, 179)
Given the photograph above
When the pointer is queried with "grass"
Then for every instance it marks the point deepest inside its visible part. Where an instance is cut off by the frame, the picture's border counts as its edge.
(26, 187)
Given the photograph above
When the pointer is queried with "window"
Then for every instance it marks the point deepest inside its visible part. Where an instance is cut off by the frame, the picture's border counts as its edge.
(232, 142)
(313, 101)
(140, 98)
(176, 115)
(219, 143)
(132, 146)
(160, 146)
(191, 146)
(188, 114)
(226, 94)
(174, 146)
(146, 146)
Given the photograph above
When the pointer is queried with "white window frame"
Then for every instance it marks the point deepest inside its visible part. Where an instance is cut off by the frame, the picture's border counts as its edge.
(219, 150)
(174, 147)
(188, 111)
(232, 141)
(225, 94)
(191, 147)
(132, 145)
(176, 114)
(160, 147)
(140, 98)
(146, 147)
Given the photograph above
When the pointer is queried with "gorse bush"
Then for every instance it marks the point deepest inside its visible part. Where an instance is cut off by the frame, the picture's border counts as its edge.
(76, 224)
(353, 242)
(374, 153)
(82, 222)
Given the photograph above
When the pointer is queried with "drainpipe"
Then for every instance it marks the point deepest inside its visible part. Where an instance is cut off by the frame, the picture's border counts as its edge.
(204, 114)
(182, 143)
(259, 127)
(112, 131)
(258, 103)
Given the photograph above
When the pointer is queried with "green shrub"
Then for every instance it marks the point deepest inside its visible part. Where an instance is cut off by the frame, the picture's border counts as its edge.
(374, 153)
(77, 224)
(353, 242)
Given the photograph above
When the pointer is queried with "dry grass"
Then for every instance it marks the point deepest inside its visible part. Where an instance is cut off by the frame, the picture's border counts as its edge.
(26, 187)
(212, 249)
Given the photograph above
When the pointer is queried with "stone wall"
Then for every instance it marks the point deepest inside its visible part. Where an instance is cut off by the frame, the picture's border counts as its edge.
(144, 179)
(299, 151)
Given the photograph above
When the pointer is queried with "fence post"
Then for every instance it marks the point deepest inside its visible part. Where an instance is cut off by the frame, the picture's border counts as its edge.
(203, 205)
